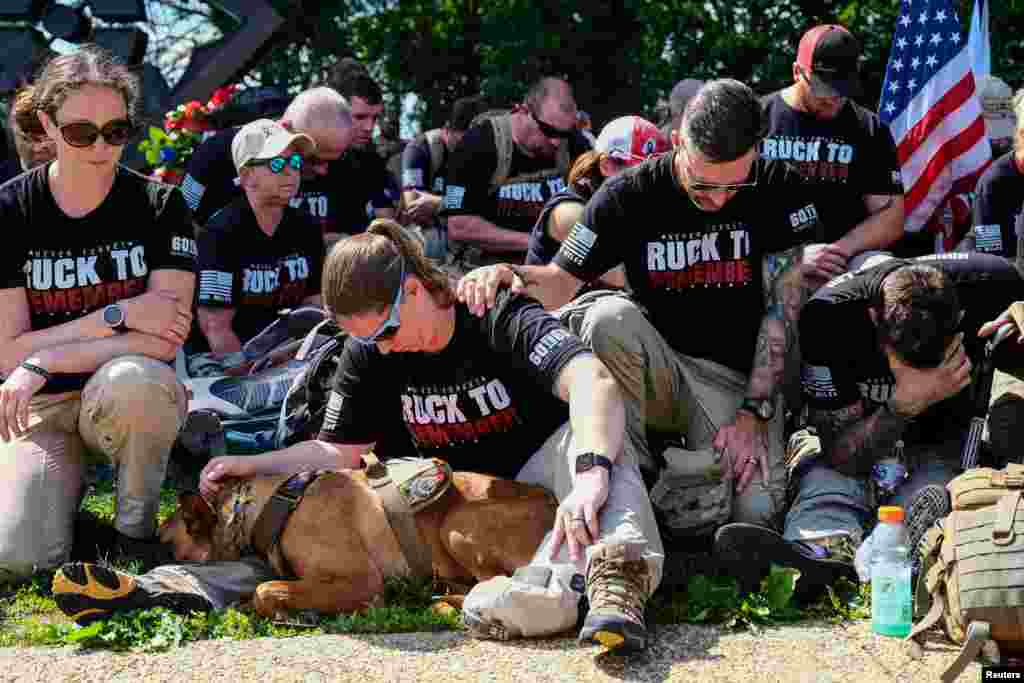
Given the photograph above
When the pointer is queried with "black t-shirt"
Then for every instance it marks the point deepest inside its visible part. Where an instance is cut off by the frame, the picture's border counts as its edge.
(337, 201)
(516, 203)
(417, 167)
(997, 205)
(542, 246)
(486, 403)
(71, 267)
(853, 152)
(843, 362)
(699, 274)
(10, 168)
(257, 274)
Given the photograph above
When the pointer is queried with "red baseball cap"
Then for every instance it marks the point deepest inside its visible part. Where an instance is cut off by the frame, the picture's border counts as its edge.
(631, 139)
(828, 55)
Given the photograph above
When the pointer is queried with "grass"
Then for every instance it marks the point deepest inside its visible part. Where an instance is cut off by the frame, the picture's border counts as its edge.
(29, 616)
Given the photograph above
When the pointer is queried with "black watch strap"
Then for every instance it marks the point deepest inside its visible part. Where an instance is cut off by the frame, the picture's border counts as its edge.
(587, 461)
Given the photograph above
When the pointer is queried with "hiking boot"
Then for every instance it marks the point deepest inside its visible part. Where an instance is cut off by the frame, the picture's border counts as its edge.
(87, 592)
(618, 584)
(149, 551)
(753, 549)
(925, 508)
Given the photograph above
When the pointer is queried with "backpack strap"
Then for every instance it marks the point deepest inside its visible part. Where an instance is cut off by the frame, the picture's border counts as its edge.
(437, 154)
(503, 144)
(978, 632)
(932, 580)
(1006, 511)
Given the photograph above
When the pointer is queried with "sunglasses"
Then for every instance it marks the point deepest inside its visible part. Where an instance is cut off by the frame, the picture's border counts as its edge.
(389, 328)
(550, 131)
(85, 133)
(700, 186)
(277, 164)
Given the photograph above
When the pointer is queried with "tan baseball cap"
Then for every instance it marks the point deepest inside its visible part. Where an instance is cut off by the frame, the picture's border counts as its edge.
(997, 107)
(264, 139)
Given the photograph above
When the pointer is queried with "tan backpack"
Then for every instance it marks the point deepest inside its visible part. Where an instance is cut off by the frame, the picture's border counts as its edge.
(972, 566)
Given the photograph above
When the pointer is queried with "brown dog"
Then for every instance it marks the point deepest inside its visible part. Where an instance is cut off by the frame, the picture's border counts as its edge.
(340, 546)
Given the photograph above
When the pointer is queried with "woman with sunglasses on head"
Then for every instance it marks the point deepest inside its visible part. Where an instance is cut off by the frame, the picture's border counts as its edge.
(259, 255)
(512, 394)
(98, 286)
(624, 142)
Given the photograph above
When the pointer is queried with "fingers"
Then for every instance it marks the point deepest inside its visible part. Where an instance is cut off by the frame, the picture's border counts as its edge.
(5, 398)
(593, 527)
(745, 475)
(10, 408)
(763, 459)
(491, 290)
(558, 536)
(22, 413)
(574, 524)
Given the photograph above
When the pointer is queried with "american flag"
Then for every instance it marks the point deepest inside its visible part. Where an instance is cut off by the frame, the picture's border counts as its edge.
(929, 103)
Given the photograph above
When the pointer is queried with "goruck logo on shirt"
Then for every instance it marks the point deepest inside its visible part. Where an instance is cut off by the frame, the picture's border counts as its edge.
(457, 414)
(526, 199)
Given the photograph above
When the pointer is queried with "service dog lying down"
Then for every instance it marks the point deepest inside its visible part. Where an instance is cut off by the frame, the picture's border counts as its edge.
(338, 543)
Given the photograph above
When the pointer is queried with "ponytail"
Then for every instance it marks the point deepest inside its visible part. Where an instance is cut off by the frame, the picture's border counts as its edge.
(362, 273)
(26, 116)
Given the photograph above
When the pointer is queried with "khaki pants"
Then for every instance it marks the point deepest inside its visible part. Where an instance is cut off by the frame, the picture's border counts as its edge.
(129, 413)
(548, 601)
(672, 393)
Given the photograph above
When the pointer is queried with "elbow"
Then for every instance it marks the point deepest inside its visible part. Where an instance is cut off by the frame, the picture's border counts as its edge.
(459, 228)
(165, 350)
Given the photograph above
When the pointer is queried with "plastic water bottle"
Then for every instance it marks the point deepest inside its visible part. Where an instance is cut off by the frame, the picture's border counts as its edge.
(891, 605)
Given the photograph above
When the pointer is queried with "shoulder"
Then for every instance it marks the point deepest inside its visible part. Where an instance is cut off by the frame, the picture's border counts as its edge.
(228, 219)
(479, 137)
(771, 101)
(865, 119)
(15, 191)
(773, 173)
(1001, 170)
(131, 183)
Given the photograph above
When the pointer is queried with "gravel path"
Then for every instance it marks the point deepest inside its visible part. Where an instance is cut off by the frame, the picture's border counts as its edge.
(792, 654)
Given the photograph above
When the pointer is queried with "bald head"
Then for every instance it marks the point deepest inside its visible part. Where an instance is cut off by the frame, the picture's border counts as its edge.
(552, 92)
(324, 115)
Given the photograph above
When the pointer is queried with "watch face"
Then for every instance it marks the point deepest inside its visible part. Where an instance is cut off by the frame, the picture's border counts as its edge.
(113, 315)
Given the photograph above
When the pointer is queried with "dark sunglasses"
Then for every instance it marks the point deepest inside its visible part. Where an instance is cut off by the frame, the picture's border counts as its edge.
(550, 131)
(84, 133)
(698, 186)
(277, 164)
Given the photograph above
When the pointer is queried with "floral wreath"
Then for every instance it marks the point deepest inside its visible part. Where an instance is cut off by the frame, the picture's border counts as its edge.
(168, 150)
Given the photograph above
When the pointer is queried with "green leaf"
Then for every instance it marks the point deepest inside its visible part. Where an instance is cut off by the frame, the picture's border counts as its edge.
(85, 633)
(779, 585)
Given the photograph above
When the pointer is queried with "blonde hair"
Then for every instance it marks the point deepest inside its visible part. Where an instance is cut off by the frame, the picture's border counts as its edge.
(65, 74)
(362, 272)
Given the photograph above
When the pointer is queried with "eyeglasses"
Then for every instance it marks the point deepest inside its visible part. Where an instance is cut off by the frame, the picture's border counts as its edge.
(389, 328)
(277, 164)
(85, 133)
(700, 186)
(549, 131)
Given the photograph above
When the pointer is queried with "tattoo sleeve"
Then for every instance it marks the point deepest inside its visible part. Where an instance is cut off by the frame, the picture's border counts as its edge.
(787, 292)
(853, 442)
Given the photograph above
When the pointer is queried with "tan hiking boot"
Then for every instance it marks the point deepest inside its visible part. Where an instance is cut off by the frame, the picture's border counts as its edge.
(618, 585)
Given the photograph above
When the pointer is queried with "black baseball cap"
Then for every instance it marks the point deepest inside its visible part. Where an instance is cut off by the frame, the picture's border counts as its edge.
(681, 95)
(828, 56)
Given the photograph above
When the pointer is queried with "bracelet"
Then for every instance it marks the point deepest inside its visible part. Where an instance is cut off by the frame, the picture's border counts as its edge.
(42, 372)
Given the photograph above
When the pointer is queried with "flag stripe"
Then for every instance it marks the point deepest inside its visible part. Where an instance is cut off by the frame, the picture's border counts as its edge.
(949, 150)
(933, 117)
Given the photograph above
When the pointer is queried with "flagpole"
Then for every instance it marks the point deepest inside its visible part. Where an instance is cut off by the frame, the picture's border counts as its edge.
(978, 43)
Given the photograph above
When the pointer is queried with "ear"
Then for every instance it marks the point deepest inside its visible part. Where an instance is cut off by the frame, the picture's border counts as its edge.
(796, 72)
(48, 125)
(199, 517)
(675, 137)
(287, 125)
(607, 166)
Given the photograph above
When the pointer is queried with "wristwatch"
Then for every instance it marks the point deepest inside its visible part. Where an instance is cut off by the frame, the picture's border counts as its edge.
(113, 316)
(588, 461)
(762, 408)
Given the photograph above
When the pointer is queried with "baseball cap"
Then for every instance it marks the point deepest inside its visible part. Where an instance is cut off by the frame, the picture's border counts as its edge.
(263, 139)
(997, 107)
(828, 55)
(630, 139)
(682, 93)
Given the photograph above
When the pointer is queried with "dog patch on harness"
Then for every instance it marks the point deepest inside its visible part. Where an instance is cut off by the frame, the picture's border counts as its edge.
(421, 481)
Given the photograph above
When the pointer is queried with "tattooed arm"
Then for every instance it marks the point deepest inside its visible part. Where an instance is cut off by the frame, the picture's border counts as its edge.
(853, 438)
(787, 292)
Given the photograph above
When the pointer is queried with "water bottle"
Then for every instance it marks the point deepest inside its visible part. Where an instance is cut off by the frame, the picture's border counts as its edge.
(891, 605)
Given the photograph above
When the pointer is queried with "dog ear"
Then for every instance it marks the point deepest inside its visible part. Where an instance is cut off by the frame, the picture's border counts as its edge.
(198, 515)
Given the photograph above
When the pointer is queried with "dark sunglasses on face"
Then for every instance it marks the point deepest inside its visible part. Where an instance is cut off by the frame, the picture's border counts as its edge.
(549, 131)
(698, 186)
(277, 164)
(85, 133)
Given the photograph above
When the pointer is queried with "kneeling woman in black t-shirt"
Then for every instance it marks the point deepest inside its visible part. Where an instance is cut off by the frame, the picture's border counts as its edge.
(512, 393)
(98, 278)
